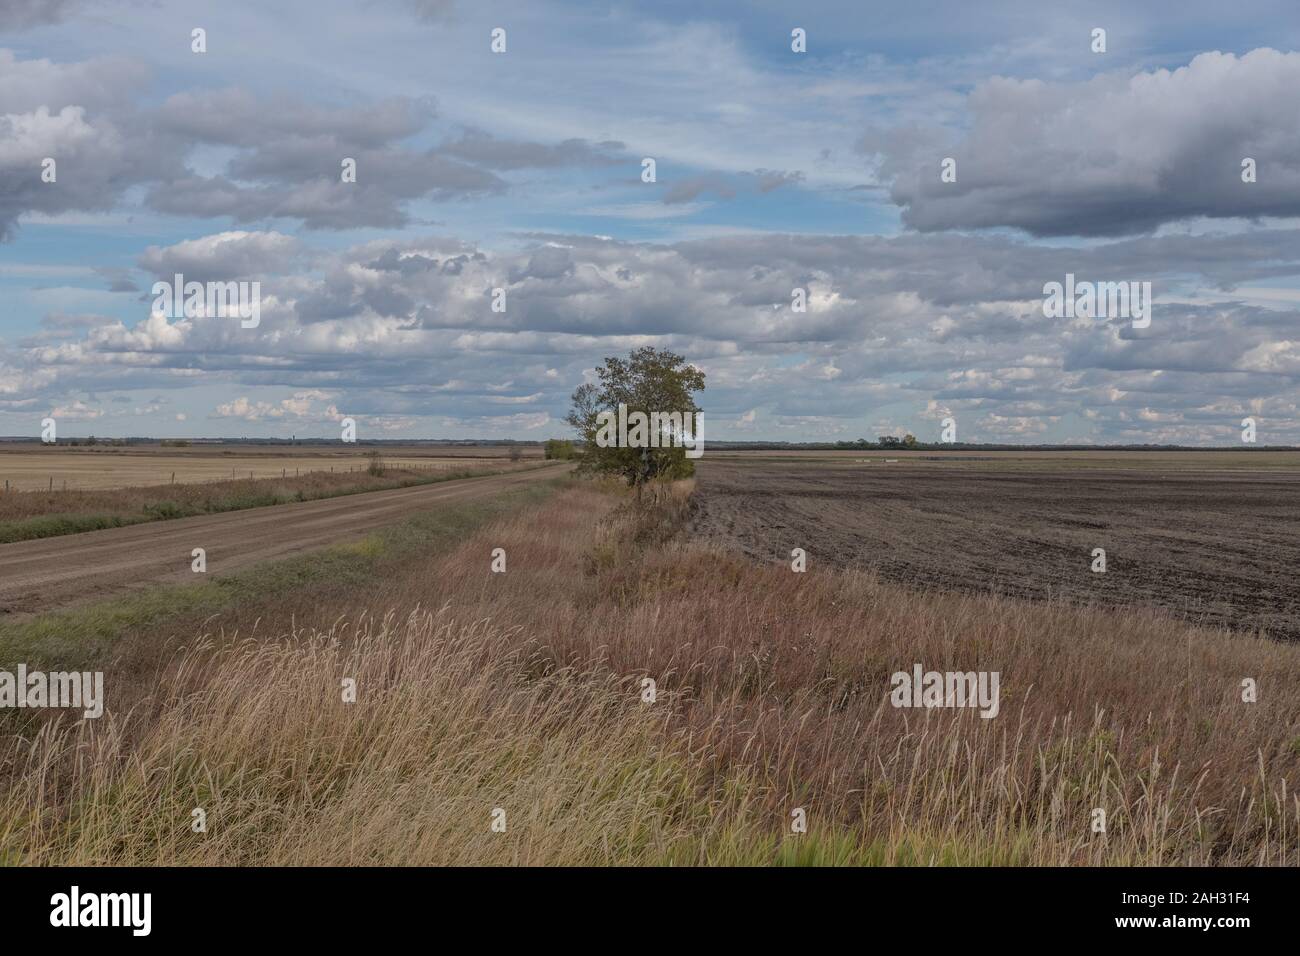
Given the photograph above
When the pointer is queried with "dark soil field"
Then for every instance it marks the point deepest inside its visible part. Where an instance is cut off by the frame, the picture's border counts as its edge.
(1218, 546)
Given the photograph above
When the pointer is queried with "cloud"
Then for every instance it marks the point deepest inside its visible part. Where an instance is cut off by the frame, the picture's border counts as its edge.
(483, 149)
(223, 256)
(432, 9)
(62, 320)
(119, 280)
(400, 330)
(77, 411)
(285, 160)
(290, 160)
(63, 113)
(24, 14)
(903, 326)
(300, 407)
(1114, 155)
(728, 187)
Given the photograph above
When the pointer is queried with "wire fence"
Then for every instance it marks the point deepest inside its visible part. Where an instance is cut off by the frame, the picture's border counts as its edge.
(52, 482)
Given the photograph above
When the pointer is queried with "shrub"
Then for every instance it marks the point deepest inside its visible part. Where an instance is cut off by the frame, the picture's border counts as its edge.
(557, 449)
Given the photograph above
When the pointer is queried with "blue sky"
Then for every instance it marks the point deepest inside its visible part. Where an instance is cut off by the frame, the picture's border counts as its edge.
(774, 170)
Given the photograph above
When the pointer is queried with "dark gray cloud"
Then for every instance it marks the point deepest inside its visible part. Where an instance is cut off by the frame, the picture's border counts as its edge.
(287, 161)
(485, 150)
(1115, 155)
(71, 115)
(24, 14)
(237, 117)
(119, 280)
(291, 158)
(432, 9)
(324, 203)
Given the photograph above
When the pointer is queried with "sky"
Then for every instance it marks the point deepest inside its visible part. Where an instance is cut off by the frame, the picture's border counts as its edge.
(921, 171)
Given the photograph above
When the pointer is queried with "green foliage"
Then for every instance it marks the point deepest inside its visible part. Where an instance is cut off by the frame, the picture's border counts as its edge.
(49, 526)
(168, 510)
(649, 381)
(558, 449)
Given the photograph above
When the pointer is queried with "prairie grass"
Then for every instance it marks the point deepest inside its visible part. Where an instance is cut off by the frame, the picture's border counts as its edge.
(524, 692)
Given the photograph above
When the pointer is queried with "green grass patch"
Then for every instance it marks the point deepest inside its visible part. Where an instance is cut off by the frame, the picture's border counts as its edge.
(51, 526)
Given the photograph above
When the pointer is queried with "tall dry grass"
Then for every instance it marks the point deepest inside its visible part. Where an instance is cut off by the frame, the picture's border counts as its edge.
(523, 691)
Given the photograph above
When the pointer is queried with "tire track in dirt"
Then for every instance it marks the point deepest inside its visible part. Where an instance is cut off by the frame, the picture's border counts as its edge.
(50, 573)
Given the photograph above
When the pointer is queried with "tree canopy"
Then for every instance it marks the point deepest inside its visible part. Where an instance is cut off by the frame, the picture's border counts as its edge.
(657, 384)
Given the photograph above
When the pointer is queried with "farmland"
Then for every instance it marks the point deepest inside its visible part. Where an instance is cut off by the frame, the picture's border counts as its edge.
(28, 515)
(525, 691)
(29, 466)
(1212, 537)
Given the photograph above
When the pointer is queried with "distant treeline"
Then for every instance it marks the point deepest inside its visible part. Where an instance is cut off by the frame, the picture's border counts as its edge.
(883, 442)
(893, 443)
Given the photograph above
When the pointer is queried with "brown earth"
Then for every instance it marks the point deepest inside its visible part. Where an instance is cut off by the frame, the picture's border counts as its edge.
(42, 575)
(1219, 547)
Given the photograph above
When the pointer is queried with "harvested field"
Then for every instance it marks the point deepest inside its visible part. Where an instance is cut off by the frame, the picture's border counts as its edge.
(1217, 545)
(31, 467)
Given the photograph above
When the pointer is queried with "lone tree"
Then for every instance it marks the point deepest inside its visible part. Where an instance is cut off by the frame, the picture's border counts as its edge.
(653, 383)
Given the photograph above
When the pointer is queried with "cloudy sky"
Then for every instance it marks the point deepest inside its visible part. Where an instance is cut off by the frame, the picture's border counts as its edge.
(774, 170)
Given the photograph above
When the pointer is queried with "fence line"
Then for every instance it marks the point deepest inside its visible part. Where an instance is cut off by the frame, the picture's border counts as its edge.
(297, 473)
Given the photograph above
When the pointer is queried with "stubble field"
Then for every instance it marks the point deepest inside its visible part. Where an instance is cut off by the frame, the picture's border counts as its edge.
(1211, 537)
(28, 466)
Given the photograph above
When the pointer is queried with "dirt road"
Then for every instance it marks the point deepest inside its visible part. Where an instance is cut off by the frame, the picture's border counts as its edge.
(49, 573)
